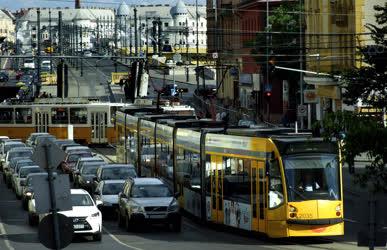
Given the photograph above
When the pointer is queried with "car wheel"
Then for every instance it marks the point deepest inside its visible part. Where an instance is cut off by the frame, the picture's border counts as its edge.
(120, 219)
(176, 226)
(32, 220)
(97, 236)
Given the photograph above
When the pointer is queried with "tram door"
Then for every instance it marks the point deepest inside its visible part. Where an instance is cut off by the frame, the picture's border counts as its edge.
(41, 121)
(217, 175)
(258, 196)
(99, 127)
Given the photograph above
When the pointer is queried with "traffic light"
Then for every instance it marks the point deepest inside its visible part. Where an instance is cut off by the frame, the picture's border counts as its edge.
(268, 95)
(271, 66)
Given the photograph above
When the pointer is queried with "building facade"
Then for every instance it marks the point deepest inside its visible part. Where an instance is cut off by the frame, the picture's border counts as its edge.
(7, 26)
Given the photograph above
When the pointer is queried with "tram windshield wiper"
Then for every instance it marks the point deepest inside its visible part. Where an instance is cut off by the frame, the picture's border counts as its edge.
(297, 192)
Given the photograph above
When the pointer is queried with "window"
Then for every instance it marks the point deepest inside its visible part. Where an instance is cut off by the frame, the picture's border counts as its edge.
(179, 23)
(23, 116)
(59, 116)
(188, 169)
(236, 179)
(193, 24)
(78, 115)
(193, 32)
(193, 41)
(276, 195)
(6, 115)
(201, 24)
(166, 24)
(201, 41)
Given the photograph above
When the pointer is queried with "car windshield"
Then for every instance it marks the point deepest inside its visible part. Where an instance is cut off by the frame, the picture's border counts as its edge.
(312, 177)
(25, 163)
(74, 157)
(90, 169)
(81, 200)
(10, 146)
(112, 188)
(145, 191)
(118, 173)
(25, 153)
(26, 171)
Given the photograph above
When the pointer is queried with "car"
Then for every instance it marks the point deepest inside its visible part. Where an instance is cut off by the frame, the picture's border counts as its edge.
(70, 144)
(82, 161)
(30, 140)
(107, 192)
(85, 177)
(4, 77)
(2, 140)
(40, 138)
(20, 180)
(29, 63)
(60, 142)
(87, 219)
(45, 64)
(114, 172)
(8, 145)
(147, 200)
(7, 173)
(67, 166)
(15, 171)
(170, 63)
(16, 152)
(72, 149)
(28, 189)
(87, 53)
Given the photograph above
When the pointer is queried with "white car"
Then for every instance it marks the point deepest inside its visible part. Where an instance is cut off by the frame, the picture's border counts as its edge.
(87, 53)
(107, 192)
(87, 218)
(29, 63)
(46, 64)
(30, 140)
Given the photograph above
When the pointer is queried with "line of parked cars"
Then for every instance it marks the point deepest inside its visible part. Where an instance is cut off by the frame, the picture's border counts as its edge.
(99, 188)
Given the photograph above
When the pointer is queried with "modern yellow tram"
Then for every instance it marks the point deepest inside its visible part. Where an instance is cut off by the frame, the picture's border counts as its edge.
(256, 179)
(91, 120)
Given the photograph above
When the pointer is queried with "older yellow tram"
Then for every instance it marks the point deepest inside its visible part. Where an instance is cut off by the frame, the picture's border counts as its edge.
(89, 121)
(265, 180)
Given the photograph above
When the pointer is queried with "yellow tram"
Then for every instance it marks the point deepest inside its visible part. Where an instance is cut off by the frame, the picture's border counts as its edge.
(91, 120)
(264, 180)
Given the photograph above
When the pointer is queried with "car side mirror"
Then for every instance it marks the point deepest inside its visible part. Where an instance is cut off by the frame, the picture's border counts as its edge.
(98, 203)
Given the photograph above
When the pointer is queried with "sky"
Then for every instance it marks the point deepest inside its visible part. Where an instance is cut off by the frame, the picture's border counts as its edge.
(17, 4)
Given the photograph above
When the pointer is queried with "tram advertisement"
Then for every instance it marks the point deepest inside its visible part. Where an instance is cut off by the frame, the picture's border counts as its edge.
(237, 214)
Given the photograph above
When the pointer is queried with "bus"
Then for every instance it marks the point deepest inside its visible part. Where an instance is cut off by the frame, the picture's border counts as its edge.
(265, 180)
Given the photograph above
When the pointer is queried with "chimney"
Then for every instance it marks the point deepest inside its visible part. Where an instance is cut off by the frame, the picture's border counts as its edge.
(77, 4)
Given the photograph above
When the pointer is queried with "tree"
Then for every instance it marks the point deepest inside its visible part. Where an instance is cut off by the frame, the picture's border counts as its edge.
(365, 134)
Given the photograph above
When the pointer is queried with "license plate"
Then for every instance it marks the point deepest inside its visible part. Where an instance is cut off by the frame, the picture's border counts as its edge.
(79, 226)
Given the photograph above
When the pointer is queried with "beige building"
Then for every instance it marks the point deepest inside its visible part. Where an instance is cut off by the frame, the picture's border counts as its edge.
(7, 26)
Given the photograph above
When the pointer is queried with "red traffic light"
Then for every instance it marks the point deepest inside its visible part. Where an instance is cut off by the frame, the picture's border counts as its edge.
(268, 94)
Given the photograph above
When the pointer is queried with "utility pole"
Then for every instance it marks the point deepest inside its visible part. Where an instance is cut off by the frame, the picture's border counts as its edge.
(50, 34)
(186, 47)
(160, 30)
(301, 65)
(267, 84)
(135, 32)
(76, 46)
(125, 37)
(38, 52)
(115, 41)
(154, 37)
(130, 36)
(197, 46)
(60, 33)
(98, 38)
(139, 34)
(147, 36)
(81, 30)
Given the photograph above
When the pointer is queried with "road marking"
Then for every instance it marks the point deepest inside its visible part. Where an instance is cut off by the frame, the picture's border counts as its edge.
(5, 63)
(118, 241)
(4, 233)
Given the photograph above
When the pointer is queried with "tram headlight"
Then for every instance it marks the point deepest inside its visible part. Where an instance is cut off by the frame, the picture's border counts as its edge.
(292, 209)
(338, 208)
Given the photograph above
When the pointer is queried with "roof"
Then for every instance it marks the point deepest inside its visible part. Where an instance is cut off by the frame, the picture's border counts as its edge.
(123, 9)
(147, 181)
(5, 14)
(113, 181)
(118, 165)
(179, 8)
(78, 191)
(84, 14)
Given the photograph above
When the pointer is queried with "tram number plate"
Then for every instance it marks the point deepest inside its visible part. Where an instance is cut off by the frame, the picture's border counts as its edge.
(79, 226)
(304, 216)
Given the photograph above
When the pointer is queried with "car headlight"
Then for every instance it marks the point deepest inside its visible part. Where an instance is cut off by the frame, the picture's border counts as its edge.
(136, 208)
(173, 207)
(95, 214)
(28, 194)
(87, 182)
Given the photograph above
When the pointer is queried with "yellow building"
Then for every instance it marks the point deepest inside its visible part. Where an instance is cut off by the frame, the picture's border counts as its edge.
(7, 26)
(330, 44)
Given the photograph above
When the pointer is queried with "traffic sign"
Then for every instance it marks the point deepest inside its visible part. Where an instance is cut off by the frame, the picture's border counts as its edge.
(215, 55)
(62, 193)
(50, 159)
(302, 110)
(46, 232)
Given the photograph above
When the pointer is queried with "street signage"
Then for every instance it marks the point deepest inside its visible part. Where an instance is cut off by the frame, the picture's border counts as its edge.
(310, 96)
(62, 193)
(46, 234)
(302, 110)
(215, 55)
(52, 158)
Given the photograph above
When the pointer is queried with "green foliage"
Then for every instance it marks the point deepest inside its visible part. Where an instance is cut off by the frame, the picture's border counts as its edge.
(359, 135)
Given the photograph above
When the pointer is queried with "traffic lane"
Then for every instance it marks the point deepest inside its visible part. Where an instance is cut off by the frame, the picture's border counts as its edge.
(192, 237)
(16, 234)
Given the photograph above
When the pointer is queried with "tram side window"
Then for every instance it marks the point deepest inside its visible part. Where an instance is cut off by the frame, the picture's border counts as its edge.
(276, 195)
(78, 116)
(165, 161)
(23, 116)
(188, 169)
(59, 116)
(6, 116)
(237, 179)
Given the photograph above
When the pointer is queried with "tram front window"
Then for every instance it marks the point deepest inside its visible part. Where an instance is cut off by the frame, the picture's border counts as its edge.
(312, 177)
